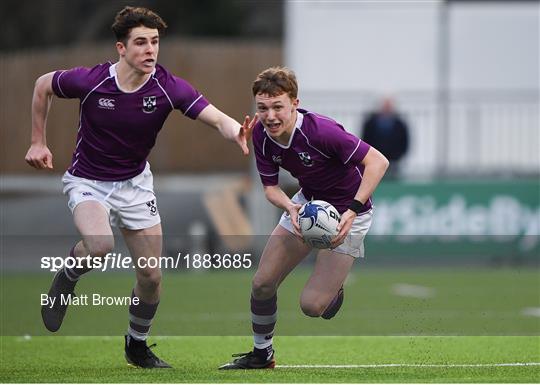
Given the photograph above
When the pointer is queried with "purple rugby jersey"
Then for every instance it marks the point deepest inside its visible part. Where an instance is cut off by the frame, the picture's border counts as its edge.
(324, 158)
(118, 129)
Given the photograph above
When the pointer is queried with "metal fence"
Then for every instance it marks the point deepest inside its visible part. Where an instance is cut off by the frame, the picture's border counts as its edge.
(467, 134)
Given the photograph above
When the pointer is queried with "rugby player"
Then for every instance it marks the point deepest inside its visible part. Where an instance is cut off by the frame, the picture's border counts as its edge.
(331, 165)
(123, 106)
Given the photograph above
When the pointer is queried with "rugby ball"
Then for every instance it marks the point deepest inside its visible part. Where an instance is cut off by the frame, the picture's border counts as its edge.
(318, 222)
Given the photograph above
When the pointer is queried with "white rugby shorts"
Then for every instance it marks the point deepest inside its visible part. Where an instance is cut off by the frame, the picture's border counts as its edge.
(354, 242)
(131, 203)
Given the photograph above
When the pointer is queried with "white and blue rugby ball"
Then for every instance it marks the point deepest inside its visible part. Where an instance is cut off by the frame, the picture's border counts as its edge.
(318, 222)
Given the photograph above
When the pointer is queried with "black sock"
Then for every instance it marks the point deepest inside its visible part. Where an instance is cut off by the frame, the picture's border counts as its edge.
(264, 353)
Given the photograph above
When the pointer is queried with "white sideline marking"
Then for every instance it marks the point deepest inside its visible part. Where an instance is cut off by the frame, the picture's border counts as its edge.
(367, 366)
(414, 291)
(532, 311)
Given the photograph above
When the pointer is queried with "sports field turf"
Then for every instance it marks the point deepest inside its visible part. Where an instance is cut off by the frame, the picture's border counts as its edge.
(195, 359)
(396, 325)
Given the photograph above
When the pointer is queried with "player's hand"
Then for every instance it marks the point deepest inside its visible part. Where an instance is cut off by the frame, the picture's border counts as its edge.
(344, 226)
(293, 213)
(39, 156)
(244, 135)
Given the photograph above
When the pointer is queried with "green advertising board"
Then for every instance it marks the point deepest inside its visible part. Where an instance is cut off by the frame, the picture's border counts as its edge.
(498, 219)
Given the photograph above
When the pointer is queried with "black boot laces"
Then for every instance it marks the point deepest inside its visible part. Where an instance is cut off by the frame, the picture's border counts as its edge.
(148, 353)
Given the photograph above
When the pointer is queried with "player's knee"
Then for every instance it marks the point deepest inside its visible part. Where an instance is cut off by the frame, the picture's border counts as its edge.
(150, 279)
(262, 288)
(312, 308)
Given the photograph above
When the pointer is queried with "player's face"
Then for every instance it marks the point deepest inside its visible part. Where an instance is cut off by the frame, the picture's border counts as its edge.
(277, 114)
(141, 49)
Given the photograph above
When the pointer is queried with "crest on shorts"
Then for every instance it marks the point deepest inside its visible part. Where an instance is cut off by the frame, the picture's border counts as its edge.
(306, 159)
(149, 104)
(152, 207)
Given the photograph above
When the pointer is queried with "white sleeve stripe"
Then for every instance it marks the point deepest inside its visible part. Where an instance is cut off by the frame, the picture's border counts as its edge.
(58, 84)
(166, 95)
(309, 144)
(352, 153)
(359, 173)
(93, 89)
(361, 179)
(191, 105)
(268, 174)
(321, 117)
(264, 147)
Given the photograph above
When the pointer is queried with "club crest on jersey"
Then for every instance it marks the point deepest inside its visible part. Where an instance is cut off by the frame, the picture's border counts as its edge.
(149, 104)
(306, 159)
(276, 159)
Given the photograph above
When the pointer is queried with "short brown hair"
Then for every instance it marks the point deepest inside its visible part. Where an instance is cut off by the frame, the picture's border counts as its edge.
(133, 17)
(275, 81)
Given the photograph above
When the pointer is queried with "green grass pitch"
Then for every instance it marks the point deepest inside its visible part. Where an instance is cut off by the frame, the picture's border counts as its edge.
(465, 325)
(195, 359)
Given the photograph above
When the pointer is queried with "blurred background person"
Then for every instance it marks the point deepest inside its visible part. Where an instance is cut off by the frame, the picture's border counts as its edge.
(388, 132)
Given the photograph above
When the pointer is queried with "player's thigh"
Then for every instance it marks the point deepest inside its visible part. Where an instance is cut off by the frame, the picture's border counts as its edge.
(144, 243)
(91, 219)
(282, 253)
(145, 246)
(330, 271)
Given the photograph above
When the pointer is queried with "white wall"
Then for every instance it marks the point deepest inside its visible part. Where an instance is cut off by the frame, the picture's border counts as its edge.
(494, 46)
(347, 54)
(393, 45)
(338, 45)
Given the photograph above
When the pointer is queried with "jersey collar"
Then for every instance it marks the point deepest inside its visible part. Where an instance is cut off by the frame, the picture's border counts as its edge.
(297, 124)
(112, 73)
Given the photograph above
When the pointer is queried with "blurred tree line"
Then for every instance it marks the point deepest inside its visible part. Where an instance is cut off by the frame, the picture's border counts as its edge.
(38, 24)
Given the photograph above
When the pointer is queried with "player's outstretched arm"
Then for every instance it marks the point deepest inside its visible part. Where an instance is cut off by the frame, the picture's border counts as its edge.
(375, 165)
(39, 156)
(228, 127)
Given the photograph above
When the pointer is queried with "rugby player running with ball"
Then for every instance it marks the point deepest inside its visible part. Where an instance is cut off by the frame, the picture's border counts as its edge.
(331, 165)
